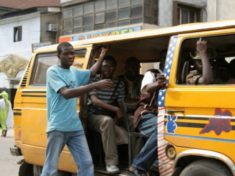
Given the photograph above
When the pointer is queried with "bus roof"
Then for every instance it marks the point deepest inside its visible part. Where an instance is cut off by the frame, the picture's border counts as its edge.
(150, 33)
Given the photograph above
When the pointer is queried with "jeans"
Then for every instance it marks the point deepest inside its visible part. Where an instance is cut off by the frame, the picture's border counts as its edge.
(148, 154)
(78, 147)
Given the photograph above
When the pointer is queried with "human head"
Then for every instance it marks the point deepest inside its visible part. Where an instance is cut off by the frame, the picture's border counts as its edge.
(132, 68)
(108, 67)
(65, 53)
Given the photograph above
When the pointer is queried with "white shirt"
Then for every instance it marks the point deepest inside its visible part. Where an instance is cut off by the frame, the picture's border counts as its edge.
(149, 78)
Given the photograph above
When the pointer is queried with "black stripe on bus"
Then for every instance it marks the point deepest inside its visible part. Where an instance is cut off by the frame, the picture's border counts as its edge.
(198, 118)
(25, 91)
(17, 113)
(17, 109)
(195, 125)
(193, 118)
(25, 95)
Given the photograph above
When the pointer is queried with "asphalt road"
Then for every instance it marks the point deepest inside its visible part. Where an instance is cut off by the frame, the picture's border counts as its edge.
(8, 163)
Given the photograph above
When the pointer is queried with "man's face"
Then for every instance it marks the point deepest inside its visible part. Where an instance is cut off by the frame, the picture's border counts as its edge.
(107, 69)
(66, 57)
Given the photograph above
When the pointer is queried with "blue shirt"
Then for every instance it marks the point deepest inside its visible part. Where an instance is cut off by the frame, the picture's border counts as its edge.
(62, 113)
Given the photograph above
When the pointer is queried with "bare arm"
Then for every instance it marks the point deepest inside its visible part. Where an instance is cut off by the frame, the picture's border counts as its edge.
(94, 69)
(158, 84)
(97, 102)
(207, 75)
(81, 90)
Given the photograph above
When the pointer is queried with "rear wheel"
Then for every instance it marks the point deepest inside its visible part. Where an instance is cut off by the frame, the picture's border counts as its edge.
(26, 169)
(37, 170)
(205, 168)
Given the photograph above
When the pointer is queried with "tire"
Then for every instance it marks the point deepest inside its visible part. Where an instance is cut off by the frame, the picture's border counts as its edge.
(26, 169)
(205, 168)
(37, 170)
(62, 173)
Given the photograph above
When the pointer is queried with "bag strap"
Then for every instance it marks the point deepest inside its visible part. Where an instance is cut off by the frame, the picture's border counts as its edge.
(115, 89)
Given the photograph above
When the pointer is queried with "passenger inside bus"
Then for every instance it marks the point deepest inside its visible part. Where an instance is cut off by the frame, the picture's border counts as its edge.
(202, 73)
(145, 122)
(105, 114)
(132, 79)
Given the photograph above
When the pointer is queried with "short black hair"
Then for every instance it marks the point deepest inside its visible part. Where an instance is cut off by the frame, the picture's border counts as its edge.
(110, 59)
(63, 45)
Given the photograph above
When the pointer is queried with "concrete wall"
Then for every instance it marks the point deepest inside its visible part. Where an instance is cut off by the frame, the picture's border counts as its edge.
(166, 10)
(220, 9)
(30, 34)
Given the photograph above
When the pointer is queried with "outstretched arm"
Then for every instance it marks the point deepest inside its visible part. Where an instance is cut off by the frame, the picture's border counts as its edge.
(207, 75)
(81, 90)
(157, 84)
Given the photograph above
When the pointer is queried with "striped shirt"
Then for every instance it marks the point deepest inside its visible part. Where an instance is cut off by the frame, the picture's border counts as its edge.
(107, 95)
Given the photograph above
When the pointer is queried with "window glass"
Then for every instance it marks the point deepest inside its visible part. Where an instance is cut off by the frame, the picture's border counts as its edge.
(100, 5)
(124, 13)
(136, 2)
(88, 8)
(123, 22)
(111, 4)
(88, 20)
(136, 12)
(136, 20)
(221, 59)
(111, 16)
(124, 3)
(77, 22)
(78, 10)
(44, 61)
(68, 24)
(186, 14)
(99, 18)
(67, 13)
(17, 34)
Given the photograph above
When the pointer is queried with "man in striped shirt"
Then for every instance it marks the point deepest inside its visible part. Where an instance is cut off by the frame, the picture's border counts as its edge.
(105, 113)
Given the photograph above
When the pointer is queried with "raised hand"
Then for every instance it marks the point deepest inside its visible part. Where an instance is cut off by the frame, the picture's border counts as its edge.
(103, 51)
(161, 81)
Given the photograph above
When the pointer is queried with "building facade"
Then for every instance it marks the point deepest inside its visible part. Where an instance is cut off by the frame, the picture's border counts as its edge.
(20, 33)
(88, 15)
(24, 26)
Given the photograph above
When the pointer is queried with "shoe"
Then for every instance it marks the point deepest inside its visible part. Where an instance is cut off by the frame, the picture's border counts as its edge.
(4, 133)
(136, 172)
(112, 169)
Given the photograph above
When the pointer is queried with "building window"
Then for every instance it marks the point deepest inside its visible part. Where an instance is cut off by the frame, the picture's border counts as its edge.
(183, 14)
(101, 14)
(17, 34)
